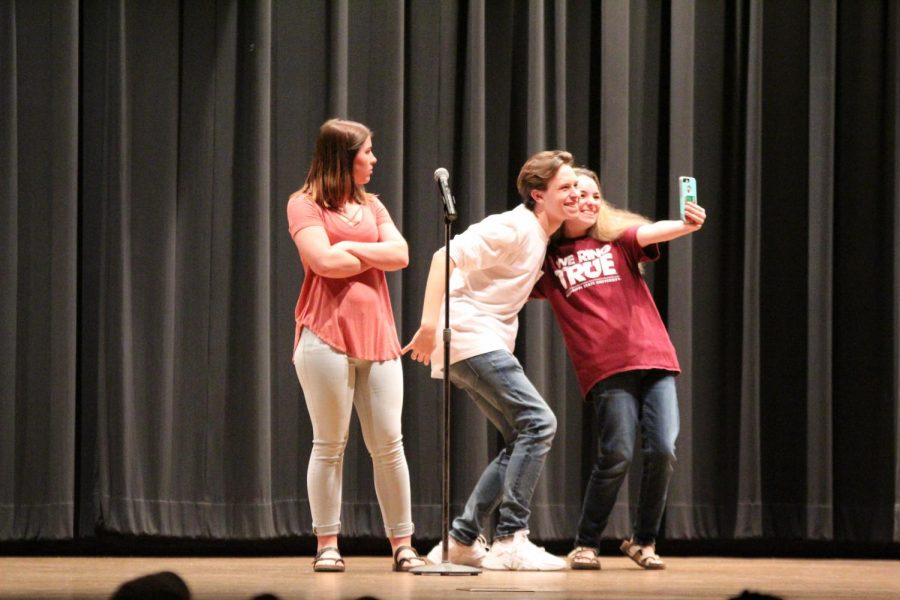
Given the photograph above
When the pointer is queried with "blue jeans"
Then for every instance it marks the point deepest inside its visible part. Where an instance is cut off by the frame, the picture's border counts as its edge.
(624, 402)
(498, 385)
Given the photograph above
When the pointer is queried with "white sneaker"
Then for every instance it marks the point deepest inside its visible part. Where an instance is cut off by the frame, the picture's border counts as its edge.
(459, 553)
(517, 553)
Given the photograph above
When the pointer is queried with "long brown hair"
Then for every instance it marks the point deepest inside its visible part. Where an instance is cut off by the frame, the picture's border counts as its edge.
(330, 179)
(611, 220)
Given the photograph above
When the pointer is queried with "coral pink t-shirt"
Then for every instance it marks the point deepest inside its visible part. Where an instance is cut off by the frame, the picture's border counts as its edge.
(351, 314)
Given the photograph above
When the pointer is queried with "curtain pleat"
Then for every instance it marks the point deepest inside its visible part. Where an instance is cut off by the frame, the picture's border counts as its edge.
(9, 259)
(749, 494)
(864, 366)
(894, 73)
(820, 337)
(147, 278)
(682, 508)
(39, 246)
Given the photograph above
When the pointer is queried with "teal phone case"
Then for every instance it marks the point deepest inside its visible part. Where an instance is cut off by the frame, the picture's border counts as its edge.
(687, 192)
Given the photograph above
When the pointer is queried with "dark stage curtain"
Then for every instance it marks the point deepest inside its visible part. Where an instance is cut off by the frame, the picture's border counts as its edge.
(147, 151)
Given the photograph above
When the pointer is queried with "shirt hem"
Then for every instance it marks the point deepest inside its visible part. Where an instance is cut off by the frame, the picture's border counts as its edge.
(586, 391)
(394, 356)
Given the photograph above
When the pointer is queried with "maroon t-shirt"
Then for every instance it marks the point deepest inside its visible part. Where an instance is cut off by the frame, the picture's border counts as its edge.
(604, 308)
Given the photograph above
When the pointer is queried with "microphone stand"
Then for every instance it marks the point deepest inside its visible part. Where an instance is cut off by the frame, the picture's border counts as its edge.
(446, 567)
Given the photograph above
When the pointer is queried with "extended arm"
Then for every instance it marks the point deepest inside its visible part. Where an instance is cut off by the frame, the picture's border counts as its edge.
(664, 231)
(422, 343)
(323, 258)
(389, 253)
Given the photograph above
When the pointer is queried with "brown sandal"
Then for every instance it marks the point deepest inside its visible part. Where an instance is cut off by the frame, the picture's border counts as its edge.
(584, 558)
(645, 556)
(405, 563)
(328, 560)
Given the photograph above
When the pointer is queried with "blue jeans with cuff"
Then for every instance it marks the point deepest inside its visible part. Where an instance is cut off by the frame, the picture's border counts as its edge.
(497, 384)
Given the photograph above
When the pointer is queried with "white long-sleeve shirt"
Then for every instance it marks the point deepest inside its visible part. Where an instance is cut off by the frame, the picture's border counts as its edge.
(498, 261)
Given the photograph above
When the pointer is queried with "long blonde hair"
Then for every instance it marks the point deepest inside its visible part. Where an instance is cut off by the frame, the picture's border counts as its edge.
(611, 221)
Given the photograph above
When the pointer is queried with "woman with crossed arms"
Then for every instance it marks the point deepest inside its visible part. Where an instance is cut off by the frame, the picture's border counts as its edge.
(346, 350)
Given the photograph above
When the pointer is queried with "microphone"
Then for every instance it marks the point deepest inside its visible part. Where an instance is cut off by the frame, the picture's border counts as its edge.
(441, 176)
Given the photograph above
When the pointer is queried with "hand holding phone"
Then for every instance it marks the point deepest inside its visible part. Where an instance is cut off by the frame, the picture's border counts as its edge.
(687, 192)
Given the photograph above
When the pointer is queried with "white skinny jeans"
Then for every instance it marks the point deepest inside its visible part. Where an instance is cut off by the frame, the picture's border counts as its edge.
(333, 383)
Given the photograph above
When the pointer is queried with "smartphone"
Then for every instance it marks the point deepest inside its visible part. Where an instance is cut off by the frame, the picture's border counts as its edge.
(687, 192)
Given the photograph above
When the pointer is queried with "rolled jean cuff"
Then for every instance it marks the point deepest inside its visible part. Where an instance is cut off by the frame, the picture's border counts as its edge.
(333, 529)
(401, 530)
(459, 538)
(580, 541)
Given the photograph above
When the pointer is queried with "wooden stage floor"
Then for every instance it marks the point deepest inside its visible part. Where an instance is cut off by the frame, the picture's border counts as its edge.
(291, 577)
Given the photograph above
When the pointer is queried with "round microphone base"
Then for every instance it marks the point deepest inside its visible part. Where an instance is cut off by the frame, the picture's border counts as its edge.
(445, 568)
